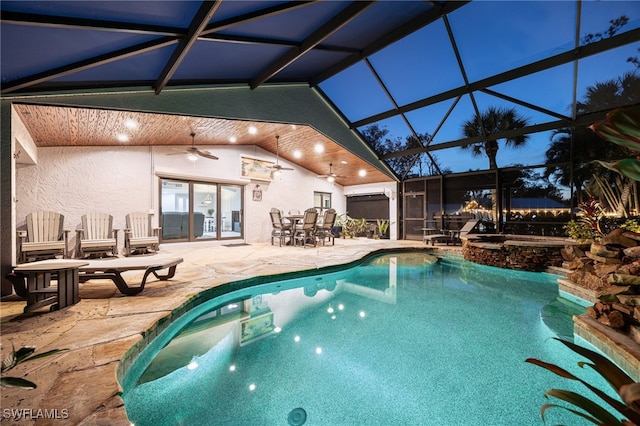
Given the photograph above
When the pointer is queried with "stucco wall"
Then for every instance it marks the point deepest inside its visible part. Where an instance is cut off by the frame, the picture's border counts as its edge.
(119, 180)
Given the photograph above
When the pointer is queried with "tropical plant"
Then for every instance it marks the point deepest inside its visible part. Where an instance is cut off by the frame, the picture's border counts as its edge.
(619, 193)
(14, 358)
(622, 127)
(489, 123)
(631, 225)
(359, 226)
(579, 231)
(578, 146)
(627, 389)
(382, 225)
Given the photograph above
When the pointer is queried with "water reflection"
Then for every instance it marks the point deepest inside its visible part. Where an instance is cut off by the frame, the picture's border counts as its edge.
(255, 317)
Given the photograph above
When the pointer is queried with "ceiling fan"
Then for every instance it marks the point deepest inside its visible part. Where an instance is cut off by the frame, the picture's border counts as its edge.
(277, 167)
(193, 152)
(331, 177)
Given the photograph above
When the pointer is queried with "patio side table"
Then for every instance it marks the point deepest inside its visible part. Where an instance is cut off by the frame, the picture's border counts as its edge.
(37, 277)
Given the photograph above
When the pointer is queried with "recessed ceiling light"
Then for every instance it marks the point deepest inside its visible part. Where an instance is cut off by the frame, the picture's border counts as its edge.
(343, 162)
(123, 138)
(232, 139)
(362, 173)
(319, 148)
(297, 153)
(293, 126)
(131, 124)
(253, 130)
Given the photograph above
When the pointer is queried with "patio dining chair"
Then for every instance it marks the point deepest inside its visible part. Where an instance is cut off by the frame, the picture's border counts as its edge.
(279, 230)
(305, 231)
(324, 230)
(97, 236)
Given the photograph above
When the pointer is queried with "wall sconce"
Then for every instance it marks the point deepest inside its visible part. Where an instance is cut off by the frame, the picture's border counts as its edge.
(257, 193)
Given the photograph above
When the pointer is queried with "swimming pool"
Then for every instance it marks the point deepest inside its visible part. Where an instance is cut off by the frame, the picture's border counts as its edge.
(398, 340)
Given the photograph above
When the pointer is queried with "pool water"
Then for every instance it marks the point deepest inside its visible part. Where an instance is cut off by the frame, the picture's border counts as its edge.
(398, 340)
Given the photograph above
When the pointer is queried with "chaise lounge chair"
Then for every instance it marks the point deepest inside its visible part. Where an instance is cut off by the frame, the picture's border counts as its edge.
(452, 236)
(113, 269)
(44, 238)
(97, 236)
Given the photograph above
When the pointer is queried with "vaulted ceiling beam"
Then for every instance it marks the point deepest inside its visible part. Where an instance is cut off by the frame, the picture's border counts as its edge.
(387, 39)
(75, 67)
(230, 38)
(544, 64)
(552, 125)
(200, 21)
(256, 15)
(334, 24)
(54, 21)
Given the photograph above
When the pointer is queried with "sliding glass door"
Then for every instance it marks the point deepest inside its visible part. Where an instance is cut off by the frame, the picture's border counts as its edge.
(191, 211)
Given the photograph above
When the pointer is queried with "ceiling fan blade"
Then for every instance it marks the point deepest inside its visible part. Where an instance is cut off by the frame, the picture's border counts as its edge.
(279, 167)
(181, 152)
(206, 155)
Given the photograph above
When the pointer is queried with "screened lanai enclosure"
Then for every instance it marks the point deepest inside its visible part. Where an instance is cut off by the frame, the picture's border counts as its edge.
(476, 109)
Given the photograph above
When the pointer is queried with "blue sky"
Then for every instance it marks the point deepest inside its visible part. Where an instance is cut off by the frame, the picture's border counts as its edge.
(492, 37)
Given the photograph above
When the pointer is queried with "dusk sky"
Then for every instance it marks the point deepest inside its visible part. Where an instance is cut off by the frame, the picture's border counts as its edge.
(492, 37)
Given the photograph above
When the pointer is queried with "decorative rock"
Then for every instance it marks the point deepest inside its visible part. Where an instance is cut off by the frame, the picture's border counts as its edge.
(618, 240)
(612, 319)
(626, 310)
(631, 268)
(614, 290)
(570, 253)
(604, 270)
(633, 235)
(629, 299)
(587, 279)
(604, 251)
(634, 333)
(605, 260)
(624, 279)
(632, 252)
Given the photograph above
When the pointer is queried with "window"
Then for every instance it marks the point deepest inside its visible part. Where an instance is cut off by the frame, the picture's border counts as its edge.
(191, 211)
(322, 201)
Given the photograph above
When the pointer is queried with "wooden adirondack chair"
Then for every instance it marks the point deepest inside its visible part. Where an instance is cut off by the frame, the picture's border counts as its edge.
(97, 236)
(140, 235)
(44, 238)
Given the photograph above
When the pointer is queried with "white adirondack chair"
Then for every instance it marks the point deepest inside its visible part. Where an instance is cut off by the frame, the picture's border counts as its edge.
(140, 236)
(44, 238)
(97, 236)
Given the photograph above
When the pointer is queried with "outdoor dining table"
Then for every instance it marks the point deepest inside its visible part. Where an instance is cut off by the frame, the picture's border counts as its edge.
(295, 219)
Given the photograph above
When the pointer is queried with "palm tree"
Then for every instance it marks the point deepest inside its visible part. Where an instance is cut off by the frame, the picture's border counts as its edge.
(601, 96)
(487, 124)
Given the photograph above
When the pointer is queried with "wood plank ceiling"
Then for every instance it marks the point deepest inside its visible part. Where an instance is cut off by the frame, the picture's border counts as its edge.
(53, 126)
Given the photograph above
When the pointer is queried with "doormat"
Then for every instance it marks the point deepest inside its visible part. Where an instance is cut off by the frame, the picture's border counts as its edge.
(236, 245)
